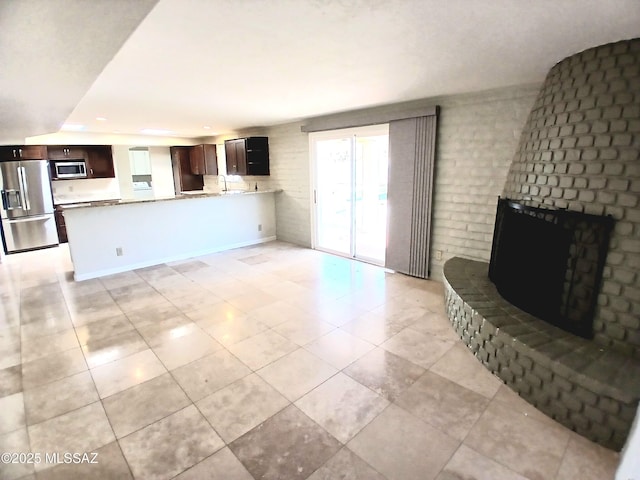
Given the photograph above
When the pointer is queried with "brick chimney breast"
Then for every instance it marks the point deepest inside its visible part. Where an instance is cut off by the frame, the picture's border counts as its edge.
(580, 150)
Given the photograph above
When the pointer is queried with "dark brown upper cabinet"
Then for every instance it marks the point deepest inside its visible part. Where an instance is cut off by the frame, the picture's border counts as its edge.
(203, 160)
(73, 152)
(236, 156)
(23, 152)
(247, 156)
(183, 178)
(100, 162)
(98, 159)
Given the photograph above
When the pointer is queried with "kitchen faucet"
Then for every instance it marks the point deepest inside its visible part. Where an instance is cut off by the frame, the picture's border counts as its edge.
(225, 182)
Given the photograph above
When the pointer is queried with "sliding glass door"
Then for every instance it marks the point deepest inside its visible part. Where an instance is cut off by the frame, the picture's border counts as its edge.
(350, 191)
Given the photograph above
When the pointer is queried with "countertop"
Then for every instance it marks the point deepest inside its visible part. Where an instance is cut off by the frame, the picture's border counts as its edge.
(182, 196)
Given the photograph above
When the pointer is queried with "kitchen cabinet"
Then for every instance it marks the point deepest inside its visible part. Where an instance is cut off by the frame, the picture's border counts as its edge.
(236, 156)
(98, 159)
(183, 178)
(100, 162)
(203, 160)
(247, 156)
(60, 225)
(58, 152)
(23, 152)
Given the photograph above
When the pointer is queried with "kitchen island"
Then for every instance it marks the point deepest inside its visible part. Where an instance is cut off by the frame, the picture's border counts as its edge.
(118, 236)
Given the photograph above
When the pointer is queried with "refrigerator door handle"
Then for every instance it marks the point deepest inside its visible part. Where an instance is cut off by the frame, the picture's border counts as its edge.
(5, 202)
(37, 218)
(24, 190)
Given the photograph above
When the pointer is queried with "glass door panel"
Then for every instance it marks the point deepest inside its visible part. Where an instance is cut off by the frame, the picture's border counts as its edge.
(371, 160)
(334, 195)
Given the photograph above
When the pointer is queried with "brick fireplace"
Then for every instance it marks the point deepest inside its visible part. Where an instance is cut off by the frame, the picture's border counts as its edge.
(579, 151)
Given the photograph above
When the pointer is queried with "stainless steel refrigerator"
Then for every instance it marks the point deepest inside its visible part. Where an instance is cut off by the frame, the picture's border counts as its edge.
(28, 220)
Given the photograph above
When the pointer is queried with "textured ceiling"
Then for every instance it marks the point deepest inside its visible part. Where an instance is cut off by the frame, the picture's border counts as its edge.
(230, 64)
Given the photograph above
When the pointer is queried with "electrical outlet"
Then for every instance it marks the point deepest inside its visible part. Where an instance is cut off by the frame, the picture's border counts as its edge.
(438, 254)
(259, 227)
(119, 251)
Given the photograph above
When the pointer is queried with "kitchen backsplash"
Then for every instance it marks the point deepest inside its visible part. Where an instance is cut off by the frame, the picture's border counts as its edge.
(70, 191)
(215, 183)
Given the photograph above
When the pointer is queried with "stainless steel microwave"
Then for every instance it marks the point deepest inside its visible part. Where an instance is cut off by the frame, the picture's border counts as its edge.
(75, 169)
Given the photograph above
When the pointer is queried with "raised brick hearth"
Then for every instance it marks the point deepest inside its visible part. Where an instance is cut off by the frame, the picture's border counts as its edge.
(590, 388)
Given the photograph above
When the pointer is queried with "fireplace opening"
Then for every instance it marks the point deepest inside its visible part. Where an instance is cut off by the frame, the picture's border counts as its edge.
(549, 263)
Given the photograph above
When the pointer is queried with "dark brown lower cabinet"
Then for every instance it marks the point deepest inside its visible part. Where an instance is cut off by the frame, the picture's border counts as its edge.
(60, 225)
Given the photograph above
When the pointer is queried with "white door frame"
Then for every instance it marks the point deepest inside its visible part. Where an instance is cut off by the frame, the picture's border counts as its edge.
(314, 137)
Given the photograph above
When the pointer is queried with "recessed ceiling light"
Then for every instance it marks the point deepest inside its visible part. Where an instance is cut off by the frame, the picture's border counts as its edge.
(207, 127)
(156, 131)
(101, 119)
(72, 127)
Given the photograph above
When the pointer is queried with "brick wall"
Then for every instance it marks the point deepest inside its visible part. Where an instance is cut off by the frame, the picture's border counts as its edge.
(580, 150)
(477, 135)
(289, 163)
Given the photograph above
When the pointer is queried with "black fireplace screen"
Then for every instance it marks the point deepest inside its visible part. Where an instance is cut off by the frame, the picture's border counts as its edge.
(549, 262)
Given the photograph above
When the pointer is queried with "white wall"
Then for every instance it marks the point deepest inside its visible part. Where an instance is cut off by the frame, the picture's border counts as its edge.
(161, 172)
(629, 468)
(79, 138)
(155, 232)
(290, 164)
(122, 165)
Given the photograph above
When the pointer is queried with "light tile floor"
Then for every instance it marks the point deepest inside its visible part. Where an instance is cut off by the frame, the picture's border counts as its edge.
(267, 362)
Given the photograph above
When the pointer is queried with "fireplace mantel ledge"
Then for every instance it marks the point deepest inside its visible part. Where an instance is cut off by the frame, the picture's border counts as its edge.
(585, 386)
